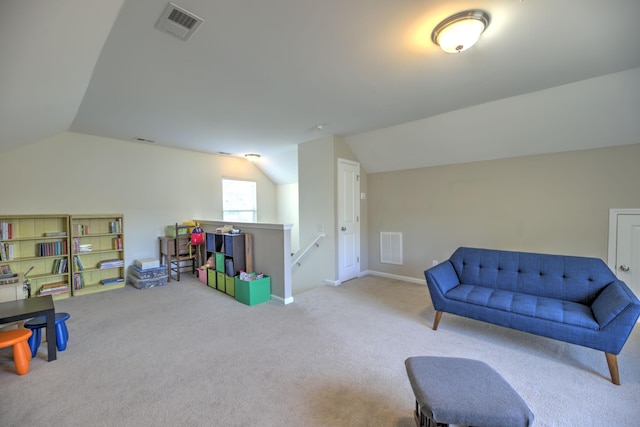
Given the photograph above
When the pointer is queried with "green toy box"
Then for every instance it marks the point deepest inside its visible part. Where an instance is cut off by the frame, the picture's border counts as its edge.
(211, 278)
(253, 292)
(230, 286)
(221, 282)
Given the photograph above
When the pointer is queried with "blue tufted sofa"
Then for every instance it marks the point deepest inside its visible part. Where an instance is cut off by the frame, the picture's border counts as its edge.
(573, 299)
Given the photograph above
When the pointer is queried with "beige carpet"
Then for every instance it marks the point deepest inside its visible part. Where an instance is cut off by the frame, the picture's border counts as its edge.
(184, 354)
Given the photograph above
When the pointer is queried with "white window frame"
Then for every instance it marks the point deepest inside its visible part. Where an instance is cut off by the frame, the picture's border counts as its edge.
(240, 213)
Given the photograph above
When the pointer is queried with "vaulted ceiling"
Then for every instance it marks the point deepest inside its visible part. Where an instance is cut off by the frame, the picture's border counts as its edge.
(259, 76)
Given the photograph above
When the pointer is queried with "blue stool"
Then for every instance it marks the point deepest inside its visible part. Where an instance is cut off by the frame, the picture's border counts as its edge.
(36, 325)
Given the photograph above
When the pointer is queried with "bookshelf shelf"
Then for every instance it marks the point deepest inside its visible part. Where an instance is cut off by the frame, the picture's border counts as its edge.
(96, 239)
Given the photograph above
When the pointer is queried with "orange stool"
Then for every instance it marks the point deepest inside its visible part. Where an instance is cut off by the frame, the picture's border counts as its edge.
(21, 352)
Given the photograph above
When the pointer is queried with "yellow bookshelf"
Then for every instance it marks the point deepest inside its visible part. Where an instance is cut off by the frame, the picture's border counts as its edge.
(38, 246)
(97, 253)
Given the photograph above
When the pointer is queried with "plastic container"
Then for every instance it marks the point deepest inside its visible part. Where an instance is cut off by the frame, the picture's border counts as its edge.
(211, 278)
(202, 275)
(220, 262)
(146, 283)
(149, 273)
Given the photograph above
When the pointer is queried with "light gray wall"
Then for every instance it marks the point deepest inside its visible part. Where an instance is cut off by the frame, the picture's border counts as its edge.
(152, 186)
(317, 186)
(554, 203)
(288, 212)
(316, 197)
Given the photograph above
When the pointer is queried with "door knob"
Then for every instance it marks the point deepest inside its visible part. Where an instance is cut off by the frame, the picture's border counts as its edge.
(343, 228)
(624, 267)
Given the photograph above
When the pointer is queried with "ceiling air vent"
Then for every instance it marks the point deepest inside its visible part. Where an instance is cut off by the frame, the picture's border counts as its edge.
(178, 22)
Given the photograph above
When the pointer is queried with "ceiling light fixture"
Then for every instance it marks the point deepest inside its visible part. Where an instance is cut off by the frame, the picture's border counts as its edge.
(252, 157)
(460, 31)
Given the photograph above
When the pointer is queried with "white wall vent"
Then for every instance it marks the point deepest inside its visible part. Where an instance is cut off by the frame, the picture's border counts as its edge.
(178, 22)
(391, 247)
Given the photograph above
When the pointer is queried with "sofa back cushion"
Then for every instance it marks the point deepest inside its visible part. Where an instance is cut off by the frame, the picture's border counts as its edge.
(570, 278)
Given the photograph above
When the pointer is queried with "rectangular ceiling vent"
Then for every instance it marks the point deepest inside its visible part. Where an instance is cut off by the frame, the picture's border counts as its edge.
(178, 22)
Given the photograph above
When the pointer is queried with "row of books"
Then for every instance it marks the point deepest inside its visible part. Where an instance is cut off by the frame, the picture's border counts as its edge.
(51, 248)
(115, 226)
(78, 281)
(60, 266)
(6, 251)
(111, 263)
(80, 229)
(83, 229)
(117, 243)
(79, 265)
(78, 247)
(54, 288)
(6, 230)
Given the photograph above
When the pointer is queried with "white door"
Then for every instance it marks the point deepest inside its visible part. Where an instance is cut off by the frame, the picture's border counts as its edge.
(625, 260)
(348, 220)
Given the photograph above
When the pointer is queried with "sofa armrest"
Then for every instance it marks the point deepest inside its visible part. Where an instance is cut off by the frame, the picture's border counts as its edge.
(612, 301)
(442, 276)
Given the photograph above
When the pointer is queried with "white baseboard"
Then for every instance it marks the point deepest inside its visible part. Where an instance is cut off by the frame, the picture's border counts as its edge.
(381, 274)
(394, 276)
(284, 301)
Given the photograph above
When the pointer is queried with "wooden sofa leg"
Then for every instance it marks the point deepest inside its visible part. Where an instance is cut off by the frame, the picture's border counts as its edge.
(436, 321)
(612, 361)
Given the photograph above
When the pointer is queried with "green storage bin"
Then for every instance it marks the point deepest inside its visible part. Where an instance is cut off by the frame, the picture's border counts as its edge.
(253, 292)
(211, 278)
(221, 282)
(170, 231)
(220, 262)
(230, 286)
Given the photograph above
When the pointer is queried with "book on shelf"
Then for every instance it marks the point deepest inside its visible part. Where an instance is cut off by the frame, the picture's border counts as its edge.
(51, 248)
(54, 288)
(6, 251)
(78, 281)
(6, 230)
(60, 266)
(56, 234)
(117, 243)
(79, 265)
(9, 279)
(80, 230)
(112, 281)
(111, 263)
(115, 226)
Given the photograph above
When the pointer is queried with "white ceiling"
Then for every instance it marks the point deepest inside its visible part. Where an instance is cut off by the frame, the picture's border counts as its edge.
(258, 75)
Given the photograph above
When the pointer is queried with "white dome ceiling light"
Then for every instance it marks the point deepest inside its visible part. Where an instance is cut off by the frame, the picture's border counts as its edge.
(459, 32)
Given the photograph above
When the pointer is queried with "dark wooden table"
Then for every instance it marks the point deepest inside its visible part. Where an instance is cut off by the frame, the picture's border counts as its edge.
(23, 309)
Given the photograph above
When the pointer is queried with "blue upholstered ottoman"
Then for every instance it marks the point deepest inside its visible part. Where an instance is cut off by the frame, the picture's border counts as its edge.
(451, 390)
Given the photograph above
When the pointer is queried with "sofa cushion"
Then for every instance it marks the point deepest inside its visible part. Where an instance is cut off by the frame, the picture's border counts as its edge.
(570, 278)
(566, 312)
(611, 302)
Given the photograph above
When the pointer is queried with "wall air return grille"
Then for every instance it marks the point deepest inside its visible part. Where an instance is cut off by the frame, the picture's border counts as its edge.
(391, 247)
(178, 22)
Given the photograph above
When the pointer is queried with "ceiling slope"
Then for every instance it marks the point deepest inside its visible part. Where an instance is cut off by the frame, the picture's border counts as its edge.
(257, 76)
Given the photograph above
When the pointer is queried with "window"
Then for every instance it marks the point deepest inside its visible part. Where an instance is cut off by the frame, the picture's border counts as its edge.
(239, 201)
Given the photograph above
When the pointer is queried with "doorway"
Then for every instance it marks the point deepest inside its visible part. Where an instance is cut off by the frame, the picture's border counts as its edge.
(348, 220)
(624, 246)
